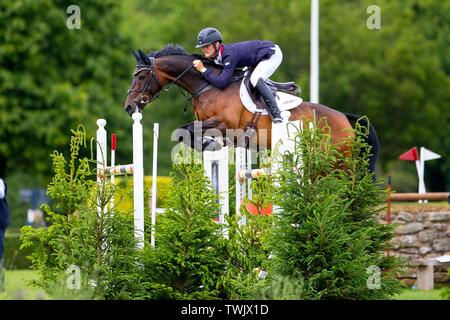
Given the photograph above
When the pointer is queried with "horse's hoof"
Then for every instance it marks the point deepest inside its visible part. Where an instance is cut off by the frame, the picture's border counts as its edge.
(211, 144)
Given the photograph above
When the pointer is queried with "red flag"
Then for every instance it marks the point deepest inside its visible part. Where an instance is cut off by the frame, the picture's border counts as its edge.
(410, 155)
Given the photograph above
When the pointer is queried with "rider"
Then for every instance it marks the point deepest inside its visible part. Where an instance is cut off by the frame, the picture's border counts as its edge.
(265, 56)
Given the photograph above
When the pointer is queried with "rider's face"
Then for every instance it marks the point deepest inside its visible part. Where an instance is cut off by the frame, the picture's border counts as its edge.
(210, 50)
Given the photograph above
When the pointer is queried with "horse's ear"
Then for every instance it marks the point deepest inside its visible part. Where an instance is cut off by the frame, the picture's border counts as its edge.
(144, 57)
(136, 56)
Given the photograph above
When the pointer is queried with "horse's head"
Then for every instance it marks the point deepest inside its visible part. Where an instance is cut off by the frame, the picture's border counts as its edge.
(145, 85)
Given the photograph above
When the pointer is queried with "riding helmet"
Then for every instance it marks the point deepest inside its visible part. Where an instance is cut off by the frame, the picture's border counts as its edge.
(207, 36)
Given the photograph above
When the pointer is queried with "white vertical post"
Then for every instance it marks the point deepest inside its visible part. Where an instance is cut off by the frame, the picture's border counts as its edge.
(280, 139)
(420, 164)
(154, 178)
(219, 160)
(207, 164)
(280, 145)
(223, 184)
(314, 75)
(241, 186)
(101, 147)
(102, 163)
(138, 177)
(113, 163)
(249, 168)
(102, 156)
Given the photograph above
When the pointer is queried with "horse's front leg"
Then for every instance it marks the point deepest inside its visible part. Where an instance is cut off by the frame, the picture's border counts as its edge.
(209, 134)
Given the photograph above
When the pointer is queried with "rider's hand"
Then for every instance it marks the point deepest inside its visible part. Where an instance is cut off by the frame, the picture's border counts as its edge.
(199, 65)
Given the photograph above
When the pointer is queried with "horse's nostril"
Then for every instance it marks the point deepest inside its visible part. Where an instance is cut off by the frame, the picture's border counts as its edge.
(128, 109)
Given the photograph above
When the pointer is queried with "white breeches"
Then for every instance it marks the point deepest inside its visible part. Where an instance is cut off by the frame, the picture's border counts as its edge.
(266, 68)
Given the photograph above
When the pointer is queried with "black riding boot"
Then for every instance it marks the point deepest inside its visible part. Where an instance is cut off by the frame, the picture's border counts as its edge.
(269, 99)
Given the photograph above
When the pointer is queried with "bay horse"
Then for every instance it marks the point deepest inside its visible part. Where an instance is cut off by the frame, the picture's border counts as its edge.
(223, 109)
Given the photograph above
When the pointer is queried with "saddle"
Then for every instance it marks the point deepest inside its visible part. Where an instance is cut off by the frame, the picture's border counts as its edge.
(288, 87)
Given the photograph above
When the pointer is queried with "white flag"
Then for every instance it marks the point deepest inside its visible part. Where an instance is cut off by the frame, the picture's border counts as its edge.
(426, 154)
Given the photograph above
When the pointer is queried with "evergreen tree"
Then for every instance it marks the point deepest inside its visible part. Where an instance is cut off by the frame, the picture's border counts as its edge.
(327, 237)
(83, 238)
(187, 261)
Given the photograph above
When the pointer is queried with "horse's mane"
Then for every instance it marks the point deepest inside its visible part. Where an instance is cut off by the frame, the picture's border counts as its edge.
(173, 49)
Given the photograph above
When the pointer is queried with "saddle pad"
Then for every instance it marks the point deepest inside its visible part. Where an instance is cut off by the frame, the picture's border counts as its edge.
(284, 101)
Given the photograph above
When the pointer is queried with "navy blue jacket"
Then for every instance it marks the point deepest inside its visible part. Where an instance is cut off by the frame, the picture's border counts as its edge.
(4, 210)
(238, 55)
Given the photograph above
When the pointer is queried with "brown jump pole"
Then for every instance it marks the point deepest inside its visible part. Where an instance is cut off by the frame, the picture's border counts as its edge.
(431, 196)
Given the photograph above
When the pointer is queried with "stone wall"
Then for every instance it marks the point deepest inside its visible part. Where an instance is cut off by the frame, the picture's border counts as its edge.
(421, 234)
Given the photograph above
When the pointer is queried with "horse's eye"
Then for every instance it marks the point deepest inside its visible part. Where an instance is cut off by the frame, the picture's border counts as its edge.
(142, 77)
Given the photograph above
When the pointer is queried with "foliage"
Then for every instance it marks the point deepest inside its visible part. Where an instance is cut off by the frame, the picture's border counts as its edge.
(52, 77)
(445, 292)
(246, 254)
(14, 258)
(327, 233)
(187, 261)
(319, 247)
(83, 235)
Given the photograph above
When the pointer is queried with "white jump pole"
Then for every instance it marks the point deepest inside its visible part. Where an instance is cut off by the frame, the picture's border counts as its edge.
(282, 141)
(101, 148)
(280, 145)
(241, 184)
(223, 185)
(113, 163)
(218, 160)
(314, 54)
(154, 178)
(138, 180)
(137, 169)
(102, 157)
(280, 138)
(249, 160)
(102, 163)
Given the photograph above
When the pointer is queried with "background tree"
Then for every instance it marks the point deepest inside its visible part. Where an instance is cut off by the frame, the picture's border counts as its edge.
(53, 78)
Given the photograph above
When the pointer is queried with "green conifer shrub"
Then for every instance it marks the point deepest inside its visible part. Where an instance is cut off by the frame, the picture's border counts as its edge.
(326, 236)
(83, 235)
(188, 259)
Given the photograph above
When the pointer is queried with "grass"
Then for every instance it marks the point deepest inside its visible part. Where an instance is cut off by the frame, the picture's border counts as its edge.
(17, 288)
(410, 294)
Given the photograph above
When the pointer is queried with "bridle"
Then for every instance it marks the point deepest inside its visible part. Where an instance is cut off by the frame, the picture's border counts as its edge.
(143, 99)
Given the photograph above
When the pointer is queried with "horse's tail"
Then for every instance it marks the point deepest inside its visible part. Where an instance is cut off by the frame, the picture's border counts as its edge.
(371, 139)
